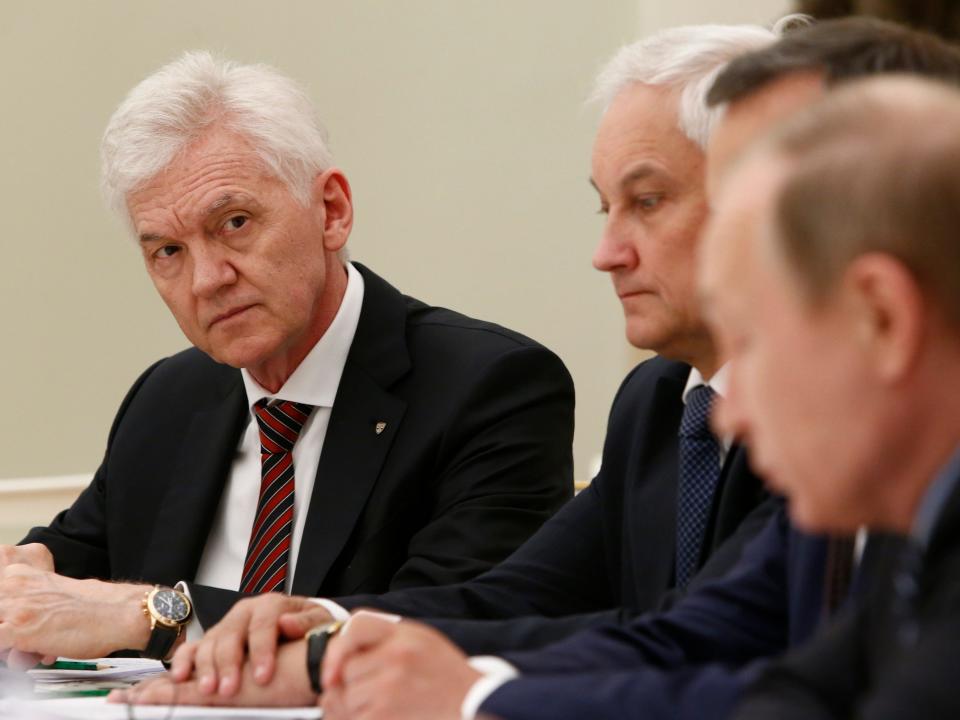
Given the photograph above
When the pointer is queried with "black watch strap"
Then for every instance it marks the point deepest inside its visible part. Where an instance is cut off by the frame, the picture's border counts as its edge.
(317, 641)
(162, 640)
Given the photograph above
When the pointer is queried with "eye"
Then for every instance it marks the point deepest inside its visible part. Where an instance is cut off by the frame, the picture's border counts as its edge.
(166, 251)
(236, 222)
(648, 202)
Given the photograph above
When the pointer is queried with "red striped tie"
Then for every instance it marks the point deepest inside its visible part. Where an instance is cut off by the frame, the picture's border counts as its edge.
(265, 568)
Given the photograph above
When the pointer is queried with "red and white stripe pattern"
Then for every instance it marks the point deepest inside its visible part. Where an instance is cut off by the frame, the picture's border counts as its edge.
(265, 568)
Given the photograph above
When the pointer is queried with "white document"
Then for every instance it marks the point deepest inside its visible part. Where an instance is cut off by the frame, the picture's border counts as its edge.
(100, 709)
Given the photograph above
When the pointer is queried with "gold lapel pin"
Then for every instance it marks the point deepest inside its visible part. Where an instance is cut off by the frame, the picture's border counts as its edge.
(380, 427)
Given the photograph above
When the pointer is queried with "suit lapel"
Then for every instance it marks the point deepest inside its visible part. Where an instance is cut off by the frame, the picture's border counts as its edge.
(353, 451)
(353, 454)
(195, 486)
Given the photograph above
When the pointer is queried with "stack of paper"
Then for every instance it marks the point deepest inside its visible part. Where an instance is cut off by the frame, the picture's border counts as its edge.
(62, 692)
(90, 677)
(99, 709)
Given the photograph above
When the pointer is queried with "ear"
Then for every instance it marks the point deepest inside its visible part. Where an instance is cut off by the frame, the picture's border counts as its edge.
(331, 191)
(888, 313)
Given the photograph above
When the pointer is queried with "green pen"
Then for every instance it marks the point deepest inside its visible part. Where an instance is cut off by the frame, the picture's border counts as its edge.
(74, 665)
(53, 695)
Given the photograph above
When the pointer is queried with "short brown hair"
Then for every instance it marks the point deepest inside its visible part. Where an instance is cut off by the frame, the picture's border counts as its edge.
(875, 167)
(842, 49)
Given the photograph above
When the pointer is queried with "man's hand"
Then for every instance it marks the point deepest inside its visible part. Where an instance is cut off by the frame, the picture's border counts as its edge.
(403, 671)
(253, 624)
(291, 687)
(36, 555)
(44, 614)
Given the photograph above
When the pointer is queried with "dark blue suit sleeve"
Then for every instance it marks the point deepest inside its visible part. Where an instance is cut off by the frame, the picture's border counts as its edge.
(643, 694)
(701, 651)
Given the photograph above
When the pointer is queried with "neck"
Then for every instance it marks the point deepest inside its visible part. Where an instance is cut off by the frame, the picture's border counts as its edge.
(910, 461)
(707, 362)
(908, 483)
(272, 374)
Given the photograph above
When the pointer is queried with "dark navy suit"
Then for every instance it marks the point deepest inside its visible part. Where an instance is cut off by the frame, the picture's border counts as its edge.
(692, 660)
(695, 659)
(893, 657)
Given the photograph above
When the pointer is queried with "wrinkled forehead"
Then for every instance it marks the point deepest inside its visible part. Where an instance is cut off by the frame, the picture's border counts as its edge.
(639, 138)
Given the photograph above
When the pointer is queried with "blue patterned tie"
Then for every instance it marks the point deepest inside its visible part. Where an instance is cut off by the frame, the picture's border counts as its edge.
(699, 472)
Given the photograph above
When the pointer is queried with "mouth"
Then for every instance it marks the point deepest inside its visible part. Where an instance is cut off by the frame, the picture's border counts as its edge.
(625, 294)
(232, 313)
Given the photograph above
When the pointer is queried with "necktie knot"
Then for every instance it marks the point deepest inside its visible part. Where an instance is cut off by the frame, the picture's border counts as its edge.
(280, 424)
(696, 414)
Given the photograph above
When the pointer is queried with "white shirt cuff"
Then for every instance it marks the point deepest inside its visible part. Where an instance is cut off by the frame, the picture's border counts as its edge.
(496, 672)
(338, 613)
(194, 630)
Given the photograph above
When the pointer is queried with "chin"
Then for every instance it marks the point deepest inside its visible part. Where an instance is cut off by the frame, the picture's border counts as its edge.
(645, 337)
(241, 354)
(813, 518)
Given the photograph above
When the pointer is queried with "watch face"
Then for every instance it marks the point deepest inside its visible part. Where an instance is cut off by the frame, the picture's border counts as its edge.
(171, 605)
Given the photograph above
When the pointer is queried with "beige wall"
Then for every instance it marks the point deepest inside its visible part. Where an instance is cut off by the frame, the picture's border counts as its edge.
(459, 123)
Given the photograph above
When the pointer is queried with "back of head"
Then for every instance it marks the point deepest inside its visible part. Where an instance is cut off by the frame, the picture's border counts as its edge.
(175, 105)
(874, 168)
(842, 50)
(688, 59)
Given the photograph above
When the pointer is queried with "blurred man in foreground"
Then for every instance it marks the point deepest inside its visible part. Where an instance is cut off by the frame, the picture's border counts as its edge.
(841, 319)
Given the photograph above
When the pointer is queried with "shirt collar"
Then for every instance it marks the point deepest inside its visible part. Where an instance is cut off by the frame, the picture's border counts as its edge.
(934, 499)
(316, 379)
(718, 383)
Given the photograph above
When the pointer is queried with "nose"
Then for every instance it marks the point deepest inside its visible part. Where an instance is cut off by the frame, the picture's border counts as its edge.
(614, 251)
(212, 270)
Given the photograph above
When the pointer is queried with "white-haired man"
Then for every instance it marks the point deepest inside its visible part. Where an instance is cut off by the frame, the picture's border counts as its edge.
(325, 435)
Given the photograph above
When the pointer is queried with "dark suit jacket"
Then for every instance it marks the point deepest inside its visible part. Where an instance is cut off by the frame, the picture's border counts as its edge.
(475, 456)
(691, 661)
(608, 552)
(894, 657)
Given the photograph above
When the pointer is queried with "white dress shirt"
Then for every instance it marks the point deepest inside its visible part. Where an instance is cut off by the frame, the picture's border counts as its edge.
(314, 382)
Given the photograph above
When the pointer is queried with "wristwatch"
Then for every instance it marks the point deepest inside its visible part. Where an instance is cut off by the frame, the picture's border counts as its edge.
(168, 611)
(317, 640)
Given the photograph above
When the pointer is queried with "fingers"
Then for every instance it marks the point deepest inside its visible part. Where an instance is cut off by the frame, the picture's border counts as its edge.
(294, 626)
(227, 654)
(251, 627)
(23, 661)
(204, 668)
(181, 667)
(363, 631)
(262, 646)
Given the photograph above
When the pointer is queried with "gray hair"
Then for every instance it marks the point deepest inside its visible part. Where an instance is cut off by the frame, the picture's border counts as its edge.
(687, 58)
(179, 102)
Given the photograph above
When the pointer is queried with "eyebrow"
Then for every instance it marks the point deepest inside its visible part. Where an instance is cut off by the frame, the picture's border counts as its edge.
(220, 202)
(641, 172)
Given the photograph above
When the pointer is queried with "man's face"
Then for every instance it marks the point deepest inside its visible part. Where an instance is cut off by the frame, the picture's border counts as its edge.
(799, 384)
(650, 179)
(241, 264)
